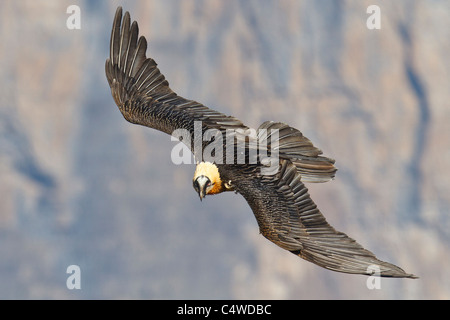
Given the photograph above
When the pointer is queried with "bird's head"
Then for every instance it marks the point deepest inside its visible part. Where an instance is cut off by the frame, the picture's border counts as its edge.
(207, 179)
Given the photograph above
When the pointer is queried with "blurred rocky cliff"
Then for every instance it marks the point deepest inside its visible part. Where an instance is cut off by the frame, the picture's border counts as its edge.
(80, 185)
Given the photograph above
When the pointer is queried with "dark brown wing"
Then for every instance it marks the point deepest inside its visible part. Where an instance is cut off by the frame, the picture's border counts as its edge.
(288, 217)
(142, 93)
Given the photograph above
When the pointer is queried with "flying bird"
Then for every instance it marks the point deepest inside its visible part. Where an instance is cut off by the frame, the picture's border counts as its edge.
(284, 210)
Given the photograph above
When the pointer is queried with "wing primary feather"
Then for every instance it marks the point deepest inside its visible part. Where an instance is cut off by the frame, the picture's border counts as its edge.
(115, 36)
(131, 48)
(123, 38)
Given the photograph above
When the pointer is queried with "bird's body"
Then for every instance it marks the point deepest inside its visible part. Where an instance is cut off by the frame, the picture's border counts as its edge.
(285, 213)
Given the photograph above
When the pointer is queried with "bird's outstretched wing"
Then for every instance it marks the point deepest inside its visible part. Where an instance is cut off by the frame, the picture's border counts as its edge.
(288, 217)
(142, 93)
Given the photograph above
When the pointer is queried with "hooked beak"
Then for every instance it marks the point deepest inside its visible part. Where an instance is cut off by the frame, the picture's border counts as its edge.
(200, 185)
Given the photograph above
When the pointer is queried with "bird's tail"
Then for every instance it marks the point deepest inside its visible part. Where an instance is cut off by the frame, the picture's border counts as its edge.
(294, 146)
